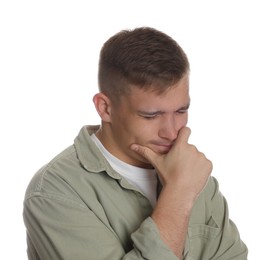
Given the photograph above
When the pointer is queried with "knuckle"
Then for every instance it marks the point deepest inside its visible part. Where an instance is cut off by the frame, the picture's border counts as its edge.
(193, 148)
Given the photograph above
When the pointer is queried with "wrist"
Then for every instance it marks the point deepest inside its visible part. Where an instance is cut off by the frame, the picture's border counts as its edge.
(178, 192)
(176, 198)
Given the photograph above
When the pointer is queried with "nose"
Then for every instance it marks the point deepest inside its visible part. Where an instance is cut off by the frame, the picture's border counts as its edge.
(169, 129)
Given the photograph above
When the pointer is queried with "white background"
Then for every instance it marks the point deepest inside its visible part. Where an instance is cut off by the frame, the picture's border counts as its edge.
(48, 75)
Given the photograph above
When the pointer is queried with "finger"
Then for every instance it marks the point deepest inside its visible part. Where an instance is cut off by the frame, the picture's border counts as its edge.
(184, 134)
(145, 152)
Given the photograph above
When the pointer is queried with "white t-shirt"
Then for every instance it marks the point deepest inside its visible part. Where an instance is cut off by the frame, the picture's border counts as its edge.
(143, 179)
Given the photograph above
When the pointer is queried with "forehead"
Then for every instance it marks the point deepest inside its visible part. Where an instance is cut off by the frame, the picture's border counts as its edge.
(174, 97)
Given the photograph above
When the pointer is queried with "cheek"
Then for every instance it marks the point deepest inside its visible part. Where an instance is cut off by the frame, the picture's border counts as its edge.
(130, 132)
(181, 121)
(144, 132)
(186, 119)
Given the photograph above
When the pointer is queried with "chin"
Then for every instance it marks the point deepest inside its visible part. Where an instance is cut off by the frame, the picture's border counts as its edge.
(143, 163)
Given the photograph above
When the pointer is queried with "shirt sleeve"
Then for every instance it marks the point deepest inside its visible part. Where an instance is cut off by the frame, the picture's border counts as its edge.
(213, 236)
(58, 228)
(62, 228)
(148, 244)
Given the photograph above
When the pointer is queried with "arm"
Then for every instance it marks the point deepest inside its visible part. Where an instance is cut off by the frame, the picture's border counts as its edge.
(62, 228)
(226, 244)
(58, 228)
(184, 172)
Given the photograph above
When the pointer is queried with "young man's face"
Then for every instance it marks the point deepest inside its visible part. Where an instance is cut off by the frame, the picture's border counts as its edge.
(148, 119)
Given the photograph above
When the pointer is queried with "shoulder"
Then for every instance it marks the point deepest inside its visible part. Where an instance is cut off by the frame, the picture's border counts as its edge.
(49, 178)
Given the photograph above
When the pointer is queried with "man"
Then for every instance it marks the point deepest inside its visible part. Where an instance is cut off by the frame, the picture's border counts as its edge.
(133, 188)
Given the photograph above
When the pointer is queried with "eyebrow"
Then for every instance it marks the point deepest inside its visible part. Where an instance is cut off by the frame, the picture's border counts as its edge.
(184, 107)
(160, 112)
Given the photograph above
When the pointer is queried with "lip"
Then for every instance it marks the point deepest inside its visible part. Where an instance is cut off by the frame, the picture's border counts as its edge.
(162, 148)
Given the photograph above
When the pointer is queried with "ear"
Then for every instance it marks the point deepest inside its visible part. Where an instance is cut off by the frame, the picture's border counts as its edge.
(103, 106)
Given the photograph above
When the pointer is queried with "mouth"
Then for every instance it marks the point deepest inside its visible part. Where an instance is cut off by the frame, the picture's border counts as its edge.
(162, 148)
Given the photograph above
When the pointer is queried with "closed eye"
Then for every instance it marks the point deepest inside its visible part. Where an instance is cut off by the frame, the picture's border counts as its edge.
(150, 115)
(183, 110)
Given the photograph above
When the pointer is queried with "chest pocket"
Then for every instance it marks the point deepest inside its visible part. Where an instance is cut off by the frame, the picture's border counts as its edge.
(199, 241)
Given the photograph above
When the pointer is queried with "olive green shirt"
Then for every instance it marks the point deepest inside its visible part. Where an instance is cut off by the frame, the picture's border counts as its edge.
(78, 207)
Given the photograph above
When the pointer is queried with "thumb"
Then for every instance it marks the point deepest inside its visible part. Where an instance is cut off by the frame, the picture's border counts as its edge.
(145, 152)
(184, 134)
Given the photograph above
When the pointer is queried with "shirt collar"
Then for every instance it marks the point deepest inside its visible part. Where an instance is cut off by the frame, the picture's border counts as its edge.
(89, 154)
(91, 157)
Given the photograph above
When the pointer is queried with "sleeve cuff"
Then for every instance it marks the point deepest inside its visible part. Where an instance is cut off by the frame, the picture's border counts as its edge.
(148, 242)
